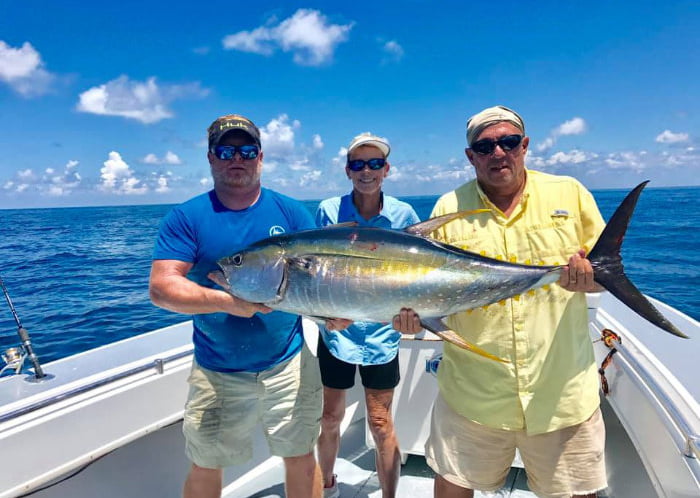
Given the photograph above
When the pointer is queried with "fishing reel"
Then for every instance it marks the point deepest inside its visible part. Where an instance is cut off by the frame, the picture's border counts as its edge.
(13, 359)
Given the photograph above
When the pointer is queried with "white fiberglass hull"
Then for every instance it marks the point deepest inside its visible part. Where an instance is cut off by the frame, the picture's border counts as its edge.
(107, 423)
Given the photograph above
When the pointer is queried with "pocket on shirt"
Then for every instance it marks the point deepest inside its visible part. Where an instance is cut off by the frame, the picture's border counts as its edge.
(555, 243)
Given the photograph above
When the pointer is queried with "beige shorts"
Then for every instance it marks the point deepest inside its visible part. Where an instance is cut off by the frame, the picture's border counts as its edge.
(224, 409)
(561, 463)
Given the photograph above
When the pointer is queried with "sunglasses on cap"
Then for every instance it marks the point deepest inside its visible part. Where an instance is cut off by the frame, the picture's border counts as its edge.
(359, 164)
(488, 145)
(227, 152)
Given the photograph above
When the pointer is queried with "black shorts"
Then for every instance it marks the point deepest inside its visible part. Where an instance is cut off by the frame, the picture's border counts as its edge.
(338, 374)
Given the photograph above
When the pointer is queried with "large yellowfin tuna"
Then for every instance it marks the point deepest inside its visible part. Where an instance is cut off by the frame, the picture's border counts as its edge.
(368, 274)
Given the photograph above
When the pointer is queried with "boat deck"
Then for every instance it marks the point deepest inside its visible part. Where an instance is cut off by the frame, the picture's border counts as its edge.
(357, 477)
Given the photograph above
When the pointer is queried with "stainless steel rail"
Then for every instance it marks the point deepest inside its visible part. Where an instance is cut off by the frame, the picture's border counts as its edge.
(157, 365)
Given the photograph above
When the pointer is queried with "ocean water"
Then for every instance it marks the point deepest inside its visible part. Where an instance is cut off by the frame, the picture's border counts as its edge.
(78, 277)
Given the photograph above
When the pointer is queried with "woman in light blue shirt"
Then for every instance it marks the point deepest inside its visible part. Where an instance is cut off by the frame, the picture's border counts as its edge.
(371, 347)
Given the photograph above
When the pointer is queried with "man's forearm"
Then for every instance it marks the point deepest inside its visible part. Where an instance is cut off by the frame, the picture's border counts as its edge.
(184, 296)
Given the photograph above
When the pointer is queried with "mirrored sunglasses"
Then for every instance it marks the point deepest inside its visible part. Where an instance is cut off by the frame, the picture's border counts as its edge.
(359, 164)
(227, 152)
(488, 145)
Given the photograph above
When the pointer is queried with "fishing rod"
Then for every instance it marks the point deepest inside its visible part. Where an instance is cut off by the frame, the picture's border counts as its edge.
(23, 335)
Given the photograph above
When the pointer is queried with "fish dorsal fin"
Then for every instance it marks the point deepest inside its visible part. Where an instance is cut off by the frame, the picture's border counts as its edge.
(424, 228)
(437, 327)
(345, 224)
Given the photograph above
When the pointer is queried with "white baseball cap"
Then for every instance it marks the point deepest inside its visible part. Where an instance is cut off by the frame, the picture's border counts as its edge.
(367, 138)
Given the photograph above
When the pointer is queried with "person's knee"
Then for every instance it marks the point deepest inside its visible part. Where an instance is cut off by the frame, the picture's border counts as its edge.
(303, 463)
(332, 417)
(203, 475)
(380, 424)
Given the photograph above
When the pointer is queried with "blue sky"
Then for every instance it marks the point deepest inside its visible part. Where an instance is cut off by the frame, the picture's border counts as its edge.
(108, 102)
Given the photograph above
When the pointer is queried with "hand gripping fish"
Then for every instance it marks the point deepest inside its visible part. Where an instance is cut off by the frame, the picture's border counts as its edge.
(368, 274)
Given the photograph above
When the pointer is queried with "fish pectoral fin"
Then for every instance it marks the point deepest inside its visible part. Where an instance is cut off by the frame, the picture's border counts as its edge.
(218, 277)
(438, 327)
(345, 224)
(424, 228)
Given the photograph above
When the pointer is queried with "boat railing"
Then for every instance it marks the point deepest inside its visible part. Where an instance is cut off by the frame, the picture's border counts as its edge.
(157, 364)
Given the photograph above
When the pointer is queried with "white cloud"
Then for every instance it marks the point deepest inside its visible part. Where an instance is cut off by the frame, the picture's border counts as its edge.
(341, 157)
(393, 52)
(317, 142)
(146, 102)
(259, 41)
(571, 157)
(307, 35)
(117, 177)
(51, 182)
(26, 174)
(151, 159)
(575, 126)
(162, 184)
(301, 164)
(310, 178)
(23, 70)
(278, 136)
(668, 137)
(169, 158)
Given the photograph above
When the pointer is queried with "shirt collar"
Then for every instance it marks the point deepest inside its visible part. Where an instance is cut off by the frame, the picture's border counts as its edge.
(521, 203)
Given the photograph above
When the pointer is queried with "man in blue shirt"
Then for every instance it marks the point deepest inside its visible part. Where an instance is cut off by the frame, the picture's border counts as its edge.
(241, 349)
(372, 347)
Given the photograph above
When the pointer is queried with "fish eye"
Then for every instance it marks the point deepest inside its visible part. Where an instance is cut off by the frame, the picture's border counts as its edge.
(237, 259)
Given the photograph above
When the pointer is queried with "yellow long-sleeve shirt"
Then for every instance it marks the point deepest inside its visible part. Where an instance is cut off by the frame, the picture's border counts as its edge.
(552, 380)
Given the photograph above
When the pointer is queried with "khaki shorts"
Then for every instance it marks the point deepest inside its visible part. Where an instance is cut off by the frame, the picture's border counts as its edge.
(561, 463)
(224, 409)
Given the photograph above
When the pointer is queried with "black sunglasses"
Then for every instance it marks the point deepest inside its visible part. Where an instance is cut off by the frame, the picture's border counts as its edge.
(227, 152)
(488, 145)
(359, 164)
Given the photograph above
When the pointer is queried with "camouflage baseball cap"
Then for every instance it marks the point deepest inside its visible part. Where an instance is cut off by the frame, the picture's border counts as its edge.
(230, 122)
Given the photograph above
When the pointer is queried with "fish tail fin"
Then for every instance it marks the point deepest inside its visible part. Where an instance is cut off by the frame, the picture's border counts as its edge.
(609, 271)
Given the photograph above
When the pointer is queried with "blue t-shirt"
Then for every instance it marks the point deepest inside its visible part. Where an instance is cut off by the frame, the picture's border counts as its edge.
(202, 231)
(364, 343)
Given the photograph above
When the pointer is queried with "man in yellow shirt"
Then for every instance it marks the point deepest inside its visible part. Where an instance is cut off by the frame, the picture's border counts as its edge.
(544, 402)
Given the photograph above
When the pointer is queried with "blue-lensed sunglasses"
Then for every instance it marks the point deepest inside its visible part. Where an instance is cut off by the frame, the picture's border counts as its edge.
(488, 145)
(359, 164)
(227, 152)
